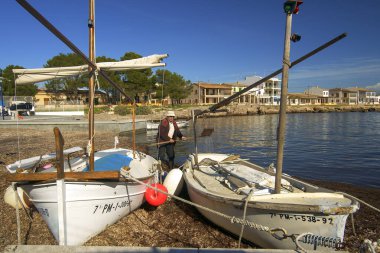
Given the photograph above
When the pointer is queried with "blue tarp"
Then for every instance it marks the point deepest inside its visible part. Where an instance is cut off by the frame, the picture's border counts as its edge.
(111, 162)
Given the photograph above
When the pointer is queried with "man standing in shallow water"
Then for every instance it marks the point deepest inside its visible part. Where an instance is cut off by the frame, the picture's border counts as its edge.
(168, 132)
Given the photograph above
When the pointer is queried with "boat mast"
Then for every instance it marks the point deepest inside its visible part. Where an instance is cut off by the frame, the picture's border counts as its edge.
(290, 7)
(91, 91)
(283, 102)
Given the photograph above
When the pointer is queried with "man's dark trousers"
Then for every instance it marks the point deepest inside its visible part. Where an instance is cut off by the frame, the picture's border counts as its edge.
(166, 154)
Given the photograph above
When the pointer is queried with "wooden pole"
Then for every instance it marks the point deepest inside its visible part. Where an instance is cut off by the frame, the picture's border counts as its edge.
(284, 95)
(59, 143)
(166, 142)
(18, 220)
(61, 191)
(195, 135)
(91, 91)
(134, 128)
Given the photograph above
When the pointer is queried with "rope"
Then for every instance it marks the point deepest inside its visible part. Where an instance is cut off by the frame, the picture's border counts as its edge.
(307, 237)
(232, 219)
(361, 201)
(299, 238)
(97, 80)
(90, 141)
(89, 147)
(352, 215)
(129, 200)
(368, 247)
(244, 216)
(287, 62)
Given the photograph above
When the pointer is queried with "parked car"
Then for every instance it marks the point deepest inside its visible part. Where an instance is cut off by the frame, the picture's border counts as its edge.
(21, 107)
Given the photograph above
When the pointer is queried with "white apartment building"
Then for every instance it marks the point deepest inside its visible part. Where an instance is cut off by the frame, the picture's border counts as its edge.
(365, 96)
(267, 93)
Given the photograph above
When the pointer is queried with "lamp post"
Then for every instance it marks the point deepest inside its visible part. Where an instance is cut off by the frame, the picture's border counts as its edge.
(1, 93)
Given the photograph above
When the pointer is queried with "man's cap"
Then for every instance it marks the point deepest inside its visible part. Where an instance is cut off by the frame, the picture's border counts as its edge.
(170, 114)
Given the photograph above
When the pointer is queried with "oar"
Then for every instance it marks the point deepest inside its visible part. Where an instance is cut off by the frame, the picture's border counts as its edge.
(166, 142)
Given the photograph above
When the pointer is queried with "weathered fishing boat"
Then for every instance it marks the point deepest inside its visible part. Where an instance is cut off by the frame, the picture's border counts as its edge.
(83, 204)
(269, 209)
(79, 197)
(228, 184)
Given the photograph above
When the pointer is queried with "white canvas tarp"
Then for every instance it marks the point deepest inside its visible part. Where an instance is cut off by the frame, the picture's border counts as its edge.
(28, 76)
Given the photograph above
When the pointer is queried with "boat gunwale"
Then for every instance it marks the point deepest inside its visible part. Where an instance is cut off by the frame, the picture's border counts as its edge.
(87, 181)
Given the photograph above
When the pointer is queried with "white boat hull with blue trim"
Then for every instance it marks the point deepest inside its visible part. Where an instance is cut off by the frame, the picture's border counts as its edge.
(91, 206)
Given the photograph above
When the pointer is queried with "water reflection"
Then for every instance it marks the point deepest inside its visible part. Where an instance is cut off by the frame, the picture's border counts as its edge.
(328, 146)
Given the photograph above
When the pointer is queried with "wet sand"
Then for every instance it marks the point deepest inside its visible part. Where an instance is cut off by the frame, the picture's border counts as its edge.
(173, 224)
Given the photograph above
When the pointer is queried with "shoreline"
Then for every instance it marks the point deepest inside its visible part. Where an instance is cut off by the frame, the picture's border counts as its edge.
(243, 110)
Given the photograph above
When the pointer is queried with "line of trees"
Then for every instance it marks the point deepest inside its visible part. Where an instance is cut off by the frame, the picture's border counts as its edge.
(9, 84)
(143, 82)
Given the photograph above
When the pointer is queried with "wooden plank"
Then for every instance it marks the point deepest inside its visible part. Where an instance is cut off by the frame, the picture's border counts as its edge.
(59, 143)
(95, 175)
(77, 176)
(24, 177)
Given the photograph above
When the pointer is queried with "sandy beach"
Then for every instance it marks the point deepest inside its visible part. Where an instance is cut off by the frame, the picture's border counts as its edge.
(173, 224)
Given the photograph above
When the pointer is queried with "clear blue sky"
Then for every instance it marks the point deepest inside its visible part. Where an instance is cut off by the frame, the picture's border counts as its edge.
(207, 40)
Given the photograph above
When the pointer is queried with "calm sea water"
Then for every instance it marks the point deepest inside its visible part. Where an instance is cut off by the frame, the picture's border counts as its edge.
(338, 147)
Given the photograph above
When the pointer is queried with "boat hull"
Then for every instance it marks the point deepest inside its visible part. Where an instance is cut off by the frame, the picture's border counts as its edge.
(89, 207)
(76, 210)
(276, 212)
(292, 222)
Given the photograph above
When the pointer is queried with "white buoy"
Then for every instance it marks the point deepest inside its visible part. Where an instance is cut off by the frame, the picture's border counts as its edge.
(174, 181)
(9, 198)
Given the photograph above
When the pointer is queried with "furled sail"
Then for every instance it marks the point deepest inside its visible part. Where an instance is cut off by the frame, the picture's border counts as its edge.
(28, 76)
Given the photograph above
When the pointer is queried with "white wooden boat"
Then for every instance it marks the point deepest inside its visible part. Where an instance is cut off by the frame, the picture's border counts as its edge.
(152, 125)
(89, 207)
(224, 185)
(79, 197)
(277, 211)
